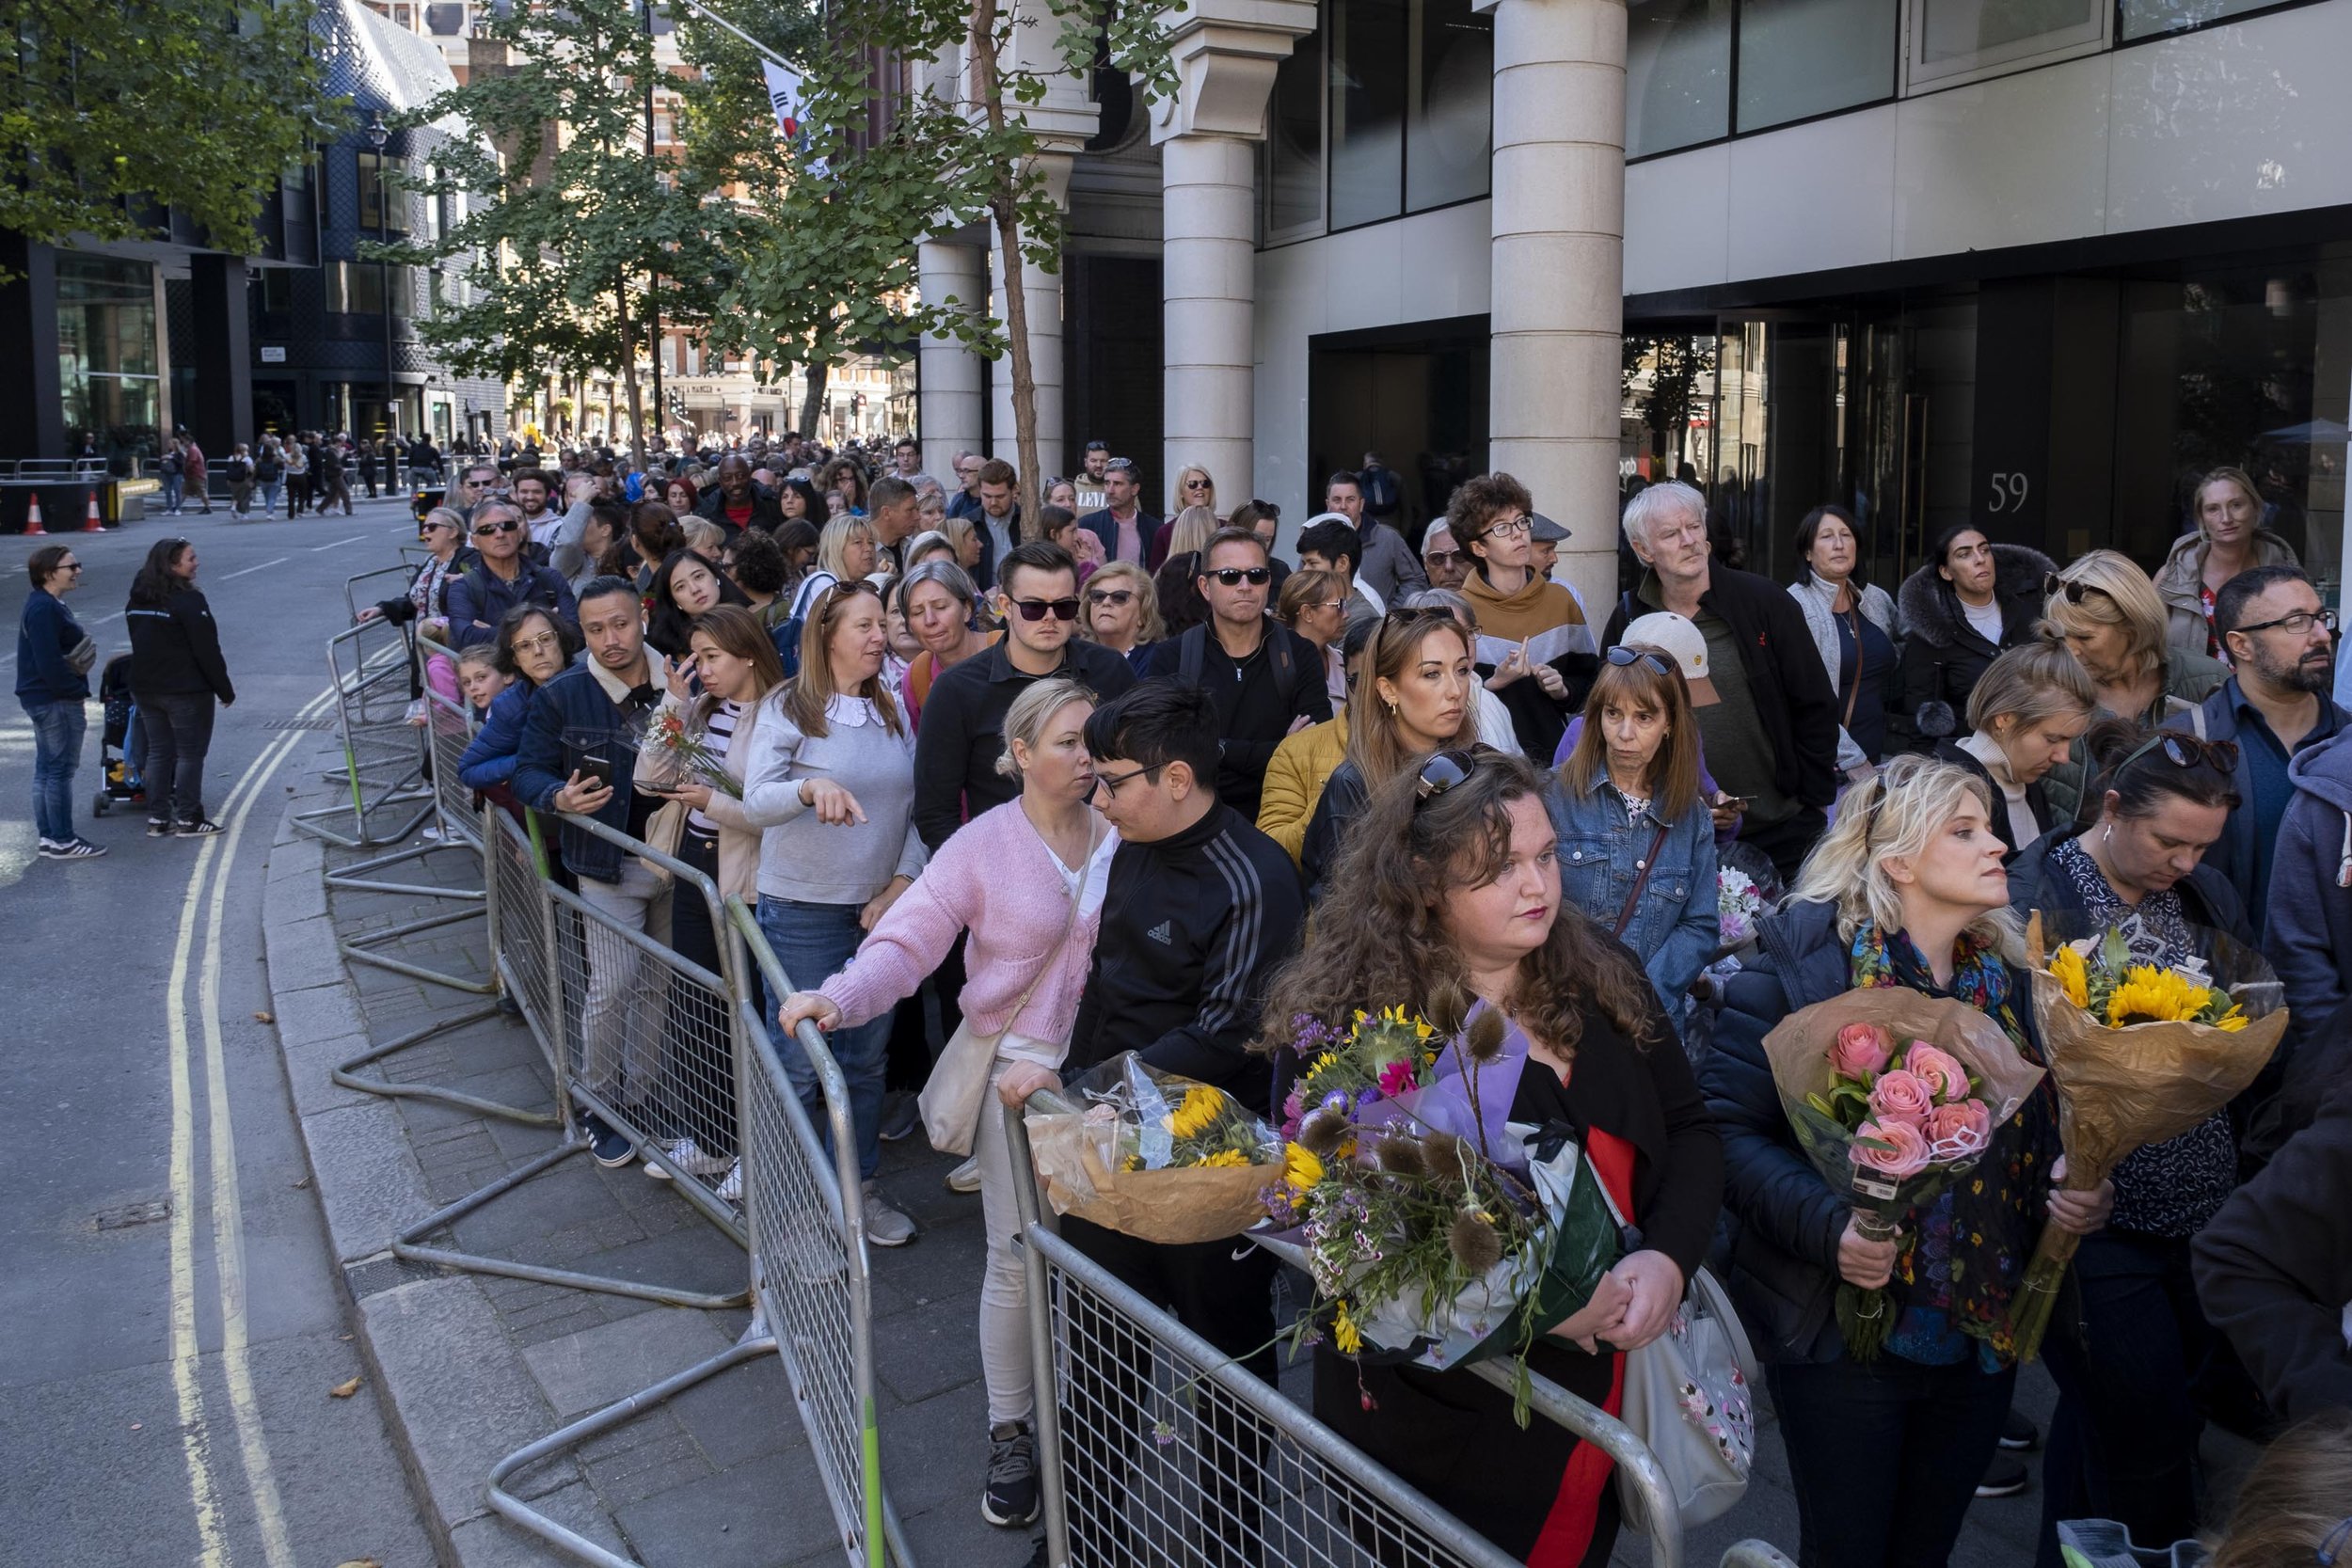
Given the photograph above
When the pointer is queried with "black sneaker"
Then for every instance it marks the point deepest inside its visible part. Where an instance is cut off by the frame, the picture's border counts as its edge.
(2004, 1477)
(610, 1148)
(2020, 1433)
(202, 828)
(159, 826)
(901, 1115)
(71, 849)
(1011, 1499)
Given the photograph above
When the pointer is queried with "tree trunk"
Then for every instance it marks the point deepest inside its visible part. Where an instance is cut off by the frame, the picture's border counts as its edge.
(985, 88)
(813, 402)
(628, 375)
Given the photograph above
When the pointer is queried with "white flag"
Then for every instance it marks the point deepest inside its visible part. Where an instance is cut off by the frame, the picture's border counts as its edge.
(784, 94)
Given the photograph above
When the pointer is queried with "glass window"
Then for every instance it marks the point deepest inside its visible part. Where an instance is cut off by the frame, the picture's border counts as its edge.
(356, 288)
(2147, 18)
(1450, 125)
(371, 196)
(1956, 40)
(276, 290)
(108, 364)
(1802, 57)
(1677, 75)
(1368, 73)
(1294, 144)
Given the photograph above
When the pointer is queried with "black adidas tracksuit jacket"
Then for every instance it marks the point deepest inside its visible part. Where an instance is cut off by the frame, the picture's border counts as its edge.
(1192, 925)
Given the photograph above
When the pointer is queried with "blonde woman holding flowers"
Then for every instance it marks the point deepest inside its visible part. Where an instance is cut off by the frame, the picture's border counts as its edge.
(1884, 1455)
(2134, 1359)
(1448, 899)
(1029, 866)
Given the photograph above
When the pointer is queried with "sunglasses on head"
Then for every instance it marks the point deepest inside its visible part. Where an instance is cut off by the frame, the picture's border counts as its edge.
(1120, 465)
(1233, 576)
(2076, 591)
(2185, 751)
(1110, 595)
(1626, 658)
(1037, 610)
(2332, 1547)
(504, 525)
(1443, 772)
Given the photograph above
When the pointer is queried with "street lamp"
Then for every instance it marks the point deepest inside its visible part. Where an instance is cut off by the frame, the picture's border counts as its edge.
(378, 135)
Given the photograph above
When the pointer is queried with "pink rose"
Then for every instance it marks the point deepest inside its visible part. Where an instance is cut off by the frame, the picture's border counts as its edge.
(1964, 1125)
(1947, 1079)
(1900, 1096)
(1898, 1150)
(1861, 1050)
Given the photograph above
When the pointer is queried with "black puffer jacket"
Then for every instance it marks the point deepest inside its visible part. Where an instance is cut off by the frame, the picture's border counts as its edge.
(1943, 655)
(175, 648)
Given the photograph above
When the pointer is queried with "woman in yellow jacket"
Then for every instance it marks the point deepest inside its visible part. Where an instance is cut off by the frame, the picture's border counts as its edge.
(1294, 777)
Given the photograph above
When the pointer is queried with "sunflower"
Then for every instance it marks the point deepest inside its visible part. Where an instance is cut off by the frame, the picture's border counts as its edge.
(1344, 1334)
(1224, 1158)
(2068, 968)
(1199, 1112)
(2151, 995)
(1301, 1170)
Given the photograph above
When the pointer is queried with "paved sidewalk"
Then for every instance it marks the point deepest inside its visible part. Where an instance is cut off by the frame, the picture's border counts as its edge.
(474, 1366)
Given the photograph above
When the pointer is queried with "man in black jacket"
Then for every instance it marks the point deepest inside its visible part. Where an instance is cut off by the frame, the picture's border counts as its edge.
(735, 503)
(1198, 909)
(1771, 740)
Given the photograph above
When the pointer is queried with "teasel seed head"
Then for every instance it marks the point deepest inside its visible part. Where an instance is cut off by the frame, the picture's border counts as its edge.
(1473, 1243)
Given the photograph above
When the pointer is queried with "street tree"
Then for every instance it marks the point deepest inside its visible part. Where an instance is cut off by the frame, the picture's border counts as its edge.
(197, 104)
(884, 166)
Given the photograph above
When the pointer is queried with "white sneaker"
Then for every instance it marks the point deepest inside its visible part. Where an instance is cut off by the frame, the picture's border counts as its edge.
(731, 1190)
(688, 1156)
(965, 1178)
(885, 1225)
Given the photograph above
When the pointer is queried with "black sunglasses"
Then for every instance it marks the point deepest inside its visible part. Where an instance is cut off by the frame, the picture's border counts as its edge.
(2076, 591)
(2332, 1545)
(1123, 465)
(1037, 610)
(504, 525)
(1443, 772)
(1233, 576)
(1626, 658)
(1111, 595)
(2185, 751)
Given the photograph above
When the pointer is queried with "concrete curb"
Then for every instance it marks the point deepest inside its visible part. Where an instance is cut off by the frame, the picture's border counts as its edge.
(456, 1392)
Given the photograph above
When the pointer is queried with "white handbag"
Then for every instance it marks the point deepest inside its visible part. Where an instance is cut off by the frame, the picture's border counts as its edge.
(1689, 1397)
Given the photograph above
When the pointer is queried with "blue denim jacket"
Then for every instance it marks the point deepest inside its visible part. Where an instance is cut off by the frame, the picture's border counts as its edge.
(1674, 930)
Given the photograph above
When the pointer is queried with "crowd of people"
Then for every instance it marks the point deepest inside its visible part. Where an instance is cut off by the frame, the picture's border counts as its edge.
(1118, 782)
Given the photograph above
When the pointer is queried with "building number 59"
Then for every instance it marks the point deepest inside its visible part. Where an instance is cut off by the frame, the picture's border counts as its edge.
(2008, 493)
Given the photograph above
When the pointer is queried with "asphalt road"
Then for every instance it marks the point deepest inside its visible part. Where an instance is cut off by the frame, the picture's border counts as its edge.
(171, 1331)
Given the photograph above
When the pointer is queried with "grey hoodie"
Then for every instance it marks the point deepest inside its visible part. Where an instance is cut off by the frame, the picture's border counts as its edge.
(2311, 879)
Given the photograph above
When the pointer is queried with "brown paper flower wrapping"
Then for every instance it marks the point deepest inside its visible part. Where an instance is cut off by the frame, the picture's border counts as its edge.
(2120, 1089)
(1168, 1207)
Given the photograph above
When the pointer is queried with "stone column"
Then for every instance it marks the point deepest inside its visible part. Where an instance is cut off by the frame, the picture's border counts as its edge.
(948, 395)
(1226, 53)
(1557, 263)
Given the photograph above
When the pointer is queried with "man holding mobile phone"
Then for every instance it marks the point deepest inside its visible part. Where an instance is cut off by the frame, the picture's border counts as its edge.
(579, 755)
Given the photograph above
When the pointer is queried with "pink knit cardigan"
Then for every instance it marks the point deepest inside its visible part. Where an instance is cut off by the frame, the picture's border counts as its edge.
(996, 866)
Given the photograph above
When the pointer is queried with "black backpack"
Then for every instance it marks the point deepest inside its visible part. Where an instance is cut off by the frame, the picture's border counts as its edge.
(1192, 653)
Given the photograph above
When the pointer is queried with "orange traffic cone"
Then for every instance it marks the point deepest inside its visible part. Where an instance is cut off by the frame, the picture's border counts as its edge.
(89, 521)
(32, 518)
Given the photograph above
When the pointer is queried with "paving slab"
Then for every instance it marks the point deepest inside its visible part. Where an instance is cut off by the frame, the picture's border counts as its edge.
(587, 1370)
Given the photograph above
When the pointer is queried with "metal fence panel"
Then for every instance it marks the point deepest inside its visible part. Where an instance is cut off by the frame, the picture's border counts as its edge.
(449, 729)
(383, 751)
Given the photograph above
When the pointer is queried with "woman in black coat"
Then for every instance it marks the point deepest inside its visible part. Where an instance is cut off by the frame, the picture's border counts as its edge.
(1946, 614)
(177, 673)
(1884, 1455)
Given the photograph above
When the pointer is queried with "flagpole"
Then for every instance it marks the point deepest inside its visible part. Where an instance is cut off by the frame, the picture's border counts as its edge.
(713, 17)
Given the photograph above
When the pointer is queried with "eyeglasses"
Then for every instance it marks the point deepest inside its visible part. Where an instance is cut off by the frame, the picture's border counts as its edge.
(1443, 772)
(2296, 624)
(540, 643)
(1510, 527)
(1441, 558)
(1626, 658)
(504, 525)
(1233, 576)
(1037, 610)
(1111, 595)
(2076, 591)
(69, 566)
(2185, 751)
(1109, 783)
(1329, 604)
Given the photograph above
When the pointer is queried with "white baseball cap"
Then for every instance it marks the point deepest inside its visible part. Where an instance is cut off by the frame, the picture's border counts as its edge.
(1679, 639)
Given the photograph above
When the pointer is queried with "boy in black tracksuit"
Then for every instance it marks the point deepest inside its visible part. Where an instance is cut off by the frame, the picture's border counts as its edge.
(1198, 909)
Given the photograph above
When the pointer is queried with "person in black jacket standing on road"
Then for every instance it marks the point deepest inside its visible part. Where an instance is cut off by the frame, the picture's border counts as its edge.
(1198, 909)
(176, 675)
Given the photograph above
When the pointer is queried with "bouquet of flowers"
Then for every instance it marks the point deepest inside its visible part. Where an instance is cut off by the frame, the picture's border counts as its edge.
(1435, 1230)
(1893, 1096)
(1738, 903)
(1156, 1156)
(1382, 1056)
(681, 755)
(2141, 1052)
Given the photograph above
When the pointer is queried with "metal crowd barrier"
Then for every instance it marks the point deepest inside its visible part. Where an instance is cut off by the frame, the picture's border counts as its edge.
(367, 666)
(1756, 1553)
(633, 1031)
(809, 1283)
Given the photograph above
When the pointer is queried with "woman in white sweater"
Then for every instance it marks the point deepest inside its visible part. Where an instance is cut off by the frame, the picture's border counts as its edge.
(830, 777)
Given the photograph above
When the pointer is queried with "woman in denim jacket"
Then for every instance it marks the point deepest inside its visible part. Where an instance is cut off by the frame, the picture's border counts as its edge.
(1637, 844)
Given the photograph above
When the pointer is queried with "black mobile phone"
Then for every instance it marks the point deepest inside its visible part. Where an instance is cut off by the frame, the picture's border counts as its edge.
(598, 768)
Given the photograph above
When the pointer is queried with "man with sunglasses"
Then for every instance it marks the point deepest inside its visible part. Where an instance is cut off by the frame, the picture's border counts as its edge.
(1263, 679)
(2276, 706)
(1125, 529)
(1447, 562)
(962, 735)
(503, 579)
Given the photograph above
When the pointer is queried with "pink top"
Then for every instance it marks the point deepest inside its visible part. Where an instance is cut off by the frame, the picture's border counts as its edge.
(994, 864)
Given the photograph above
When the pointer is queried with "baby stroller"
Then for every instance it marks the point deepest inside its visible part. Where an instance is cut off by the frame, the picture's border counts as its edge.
(119, 772)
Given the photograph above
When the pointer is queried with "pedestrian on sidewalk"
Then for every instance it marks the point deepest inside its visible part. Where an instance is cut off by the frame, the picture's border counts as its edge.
(198, 475)
(177, 673)
(54, 656)
(1030, 865)
(269, 473)
(238, 470)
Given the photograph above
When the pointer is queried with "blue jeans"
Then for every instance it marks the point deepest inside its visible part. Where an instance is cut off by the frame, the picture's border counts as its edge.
(269, 497)
(58, 730)
(812, 941)
(175, 487)
(1884, 1455)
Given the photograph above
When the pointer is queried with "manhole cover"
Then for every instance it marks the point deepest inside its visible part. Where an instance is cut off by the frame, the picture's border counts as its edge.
(122, 1216)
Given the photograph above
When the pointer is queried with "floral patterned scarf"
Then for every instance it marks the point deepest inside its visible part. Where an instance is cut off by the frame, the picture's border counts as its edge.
(1964, 1254)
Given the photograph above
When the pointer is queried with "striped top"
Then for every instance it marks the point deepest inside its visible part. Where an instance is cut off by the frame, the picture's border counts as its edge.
(718, 735)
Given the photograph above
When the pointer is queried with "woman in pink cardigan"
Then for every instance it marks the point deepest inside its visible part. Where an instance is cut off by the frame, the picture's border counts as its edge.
(1034, 867)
